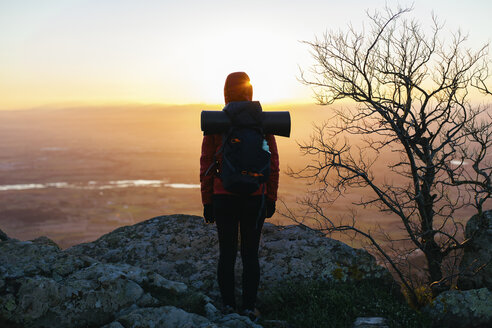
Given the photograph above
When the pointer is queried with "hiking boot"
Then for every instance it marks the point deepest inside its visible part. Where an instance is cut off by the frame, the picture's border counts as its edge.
(253, 315)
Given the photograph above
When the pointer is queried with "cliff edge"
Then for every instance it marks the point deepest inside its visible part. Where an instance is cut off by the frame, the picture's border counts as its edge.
(157, 273)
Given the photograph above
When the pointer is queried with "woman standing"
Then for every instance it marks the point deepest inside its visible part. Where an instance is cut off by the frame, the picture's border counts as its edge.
(233, 212)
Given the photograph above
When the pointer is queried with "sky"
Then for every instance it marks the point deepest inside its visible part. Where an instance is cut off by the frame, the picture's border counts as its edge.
(59, 52)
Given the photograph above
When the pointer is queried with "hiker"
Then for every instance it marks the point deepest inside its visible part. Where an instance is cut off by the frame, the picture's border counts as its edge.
(230, 210)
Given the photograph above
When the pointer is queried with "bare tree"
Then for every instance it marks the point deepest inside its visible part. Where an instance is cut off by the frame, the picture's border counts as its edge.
(411, 98)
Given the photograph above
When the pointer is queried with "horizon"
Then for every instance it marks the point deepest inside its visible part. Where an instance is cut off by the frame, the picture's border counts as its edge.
(116, 104)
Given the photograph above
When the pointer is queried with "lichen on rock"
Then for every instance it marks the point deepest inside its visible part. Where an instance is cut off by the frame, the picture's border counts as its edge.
(45, 241)
(163, 317)
(462, 309)
(476, 263)
(182, 248)
(157, 273)
(42, 286)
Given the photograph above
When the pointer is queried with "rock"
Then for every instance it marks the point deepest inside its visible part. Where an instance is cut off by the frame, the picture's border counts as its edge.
(3, 236)
(161, 282)
(171, 317)
(43, 240)
(163, 317)
(234, 320)
(42, 286)
(157, 273)
(113, 325)
(211, 311)
(26, 259)
(476, 263)
(462, 309)
(370, 322)
(182, 248)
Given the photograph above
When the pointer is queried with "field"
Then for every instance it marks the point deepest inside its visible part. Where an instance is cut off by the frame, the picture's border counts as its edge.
(75, 174)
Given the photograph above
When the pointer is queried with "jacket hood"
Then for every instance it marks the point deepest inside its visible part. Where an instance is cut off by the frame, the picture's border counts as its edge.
(244, 113)
(238, 87)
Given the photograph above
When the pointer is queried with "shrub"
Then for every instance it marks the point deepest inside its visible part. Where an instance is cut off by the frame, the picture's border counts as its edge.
(337, 304)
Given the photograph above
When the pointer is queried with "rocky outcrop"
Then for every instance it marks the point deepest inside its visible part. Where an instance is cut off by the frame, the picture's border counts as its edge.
(476, 263)
(172, 317)
(182, 248)
(43, 286)
(158, 273)
(3, 236)
(462, 309)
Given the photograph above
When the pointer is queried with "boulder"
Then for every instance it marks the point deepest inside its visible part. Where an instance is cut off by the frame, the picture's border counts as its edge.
(182, 248)
(3, 236)
(476, 263)
(157, 273)
(370, 322)
(45, 241)
(234, 320)
(162, 317)
(42, 286)
(172, 317)
(462, 309)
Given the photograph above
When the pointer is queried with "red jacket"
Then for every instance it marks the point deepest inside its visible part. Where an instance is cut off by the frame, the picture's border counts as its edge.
(212, 185)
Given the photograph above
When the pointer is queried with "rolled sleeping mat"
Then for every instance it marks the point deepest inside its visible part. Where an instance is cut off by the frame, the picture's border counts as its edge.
(277, 123)
(214, 122)
(217, 122)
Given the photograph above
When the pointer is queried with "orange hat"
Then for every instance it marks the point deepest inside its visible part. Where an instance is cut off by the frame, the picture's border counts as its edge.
(238, 88)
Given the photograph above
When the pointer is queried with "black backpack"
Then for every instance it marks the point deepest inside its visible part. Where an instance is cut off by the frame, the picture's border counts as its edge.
(245, 155)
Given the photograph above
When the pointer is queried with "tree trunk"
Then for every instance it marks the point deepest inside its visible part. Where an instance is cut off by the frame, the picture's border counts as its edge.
(434, 259)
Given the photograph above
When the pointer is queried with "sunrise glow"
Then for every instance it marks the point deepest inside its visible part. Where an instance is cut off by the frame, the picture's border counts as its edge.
(102, 52)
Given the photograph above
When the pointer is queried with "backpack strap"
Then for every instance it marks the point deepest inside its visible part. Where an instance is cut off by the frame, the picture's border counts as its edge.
(214, 162)
(232, 118)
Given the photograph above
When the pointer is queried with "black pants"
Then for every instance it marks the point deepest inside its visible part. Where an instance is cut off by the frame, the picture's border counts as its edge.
(231, 212)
